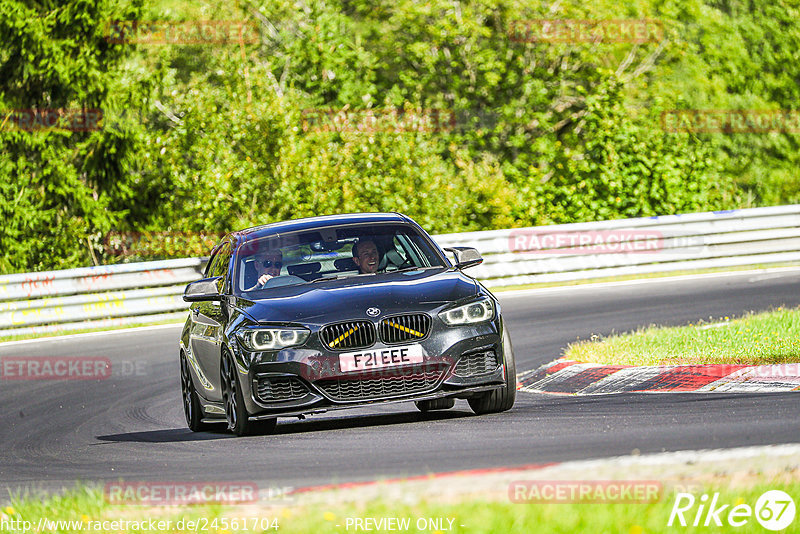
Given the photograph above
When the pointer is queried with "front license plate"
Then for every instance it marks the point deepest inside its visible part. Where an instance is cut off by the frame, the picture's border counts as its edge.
(377, 358)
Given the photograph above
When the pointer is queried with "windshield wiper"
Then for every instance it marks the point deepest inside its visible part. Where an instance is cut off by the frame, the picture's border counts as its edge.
(325, 279)
(413, 268)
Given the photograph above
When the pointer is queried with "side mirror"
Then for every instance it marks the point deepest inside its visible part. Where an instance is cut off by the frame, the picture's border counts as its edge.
(205, 289)
(466, 256)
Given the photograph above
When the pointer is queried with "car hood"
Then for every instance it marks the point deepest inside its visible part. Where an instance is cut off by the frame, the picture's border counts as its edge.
(348, 298)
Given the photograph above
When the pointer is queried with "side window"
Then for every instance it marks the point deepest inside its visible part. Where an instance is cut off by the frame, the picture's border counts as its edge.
(214, 261)
(401, 250)
(210, 265)
(220, 264)
(410, 246)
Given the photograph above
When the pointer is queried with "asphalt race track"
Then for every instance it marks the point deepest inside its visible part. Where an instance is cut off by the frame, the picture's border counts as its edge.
(131, 426)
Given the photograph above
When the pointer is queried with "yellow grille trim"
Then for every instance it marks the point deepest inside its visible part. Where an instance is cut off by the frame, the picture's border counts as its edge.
(405, 329)
(342, 337)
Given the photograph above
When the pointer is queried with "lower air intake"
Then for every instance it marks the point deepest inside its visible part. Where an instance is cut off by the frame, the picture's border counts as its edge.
(477, 363)
(280, 389)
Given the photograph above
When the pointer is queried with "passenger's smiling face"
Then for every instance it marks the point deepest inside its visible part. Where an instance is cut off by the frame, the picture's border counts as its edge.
(367, 257)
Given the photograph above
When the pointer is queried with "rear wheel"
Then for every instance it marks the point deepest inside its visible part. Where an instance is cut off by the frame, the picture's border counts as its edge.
(503, 399)
(435, 404)
(192, 409)
(235, 411)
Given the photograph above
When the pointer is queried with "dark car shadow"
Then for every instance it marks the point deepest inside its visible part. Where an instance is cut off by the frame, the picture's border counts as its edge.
(289, 427)
(171, 435)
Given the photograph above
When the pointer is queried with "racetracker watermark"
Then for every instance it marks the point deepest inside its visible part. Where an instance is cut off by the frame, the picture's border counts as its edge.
(778, 370)
(68, 368)
(377, 365)
(56, 368)
(622, 241)
(637, 31)
(774, 510)
(34, 120)
(149, 244)
(181, 493)
(379, 120)
(141, 524)
(586, 242)
(731, 121)
(585, 491)
(193, 32)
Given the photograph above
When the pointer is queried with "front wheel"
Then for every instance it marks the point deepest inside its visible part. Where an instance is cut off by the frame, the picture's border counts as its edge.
(192, 410)
(235, 411)
(503, 399)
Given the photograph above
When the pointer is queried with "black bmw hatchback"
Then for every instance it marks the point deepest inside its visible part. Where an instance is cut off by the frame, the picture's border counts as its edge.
(311, 315)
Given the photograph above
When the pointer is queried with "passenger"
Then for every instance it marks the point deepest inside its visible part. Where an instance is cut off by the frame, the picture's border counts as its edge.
(365, 256)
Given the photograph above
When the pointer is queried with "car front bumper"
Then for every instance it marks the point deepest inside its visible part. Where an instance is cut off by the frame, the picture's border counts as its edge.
(305, 380)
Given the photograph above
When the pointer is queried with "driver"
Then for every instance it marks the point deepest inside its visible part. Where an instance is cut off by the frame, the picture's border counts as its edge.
(365, 256)
(268, 265)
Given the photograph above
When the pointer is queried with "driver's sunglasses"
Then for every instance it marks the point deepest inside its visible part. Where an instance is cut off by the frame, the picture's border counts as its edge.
(270, 263)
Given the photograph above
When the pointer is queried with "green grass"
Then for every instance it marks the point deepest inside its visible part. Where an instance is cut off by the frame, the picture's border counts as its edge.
(763, 338)
(469, 516)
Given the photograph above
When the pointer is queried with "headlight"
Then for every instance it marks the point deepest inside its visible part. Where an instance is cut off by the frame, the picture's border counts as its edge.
(474, 312)
(259, 339)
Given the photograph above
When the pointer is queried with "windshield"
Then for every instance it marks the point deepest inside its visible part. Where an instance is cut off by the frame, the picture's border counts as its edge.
(328, 253)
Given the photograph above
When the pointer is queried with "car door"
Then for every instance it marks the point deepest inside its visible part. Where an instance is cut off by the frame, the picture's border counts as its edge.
(208, 323)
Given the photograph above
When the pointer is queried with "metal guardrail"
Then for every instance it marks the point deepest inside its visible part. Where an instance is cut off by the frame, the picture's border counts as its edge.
(582, 251)
(116, 295)
(95, 297)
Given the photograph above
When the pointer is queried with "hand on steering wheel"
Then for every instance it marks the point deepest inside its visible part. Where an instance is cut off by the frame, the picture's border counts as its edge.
(263, 279)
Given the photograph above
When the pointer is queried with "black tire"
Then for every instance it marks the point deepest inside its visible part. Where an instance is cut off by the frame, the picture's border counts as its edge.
(503, 399)
(192, 410)
(435, 404)
(235, 411)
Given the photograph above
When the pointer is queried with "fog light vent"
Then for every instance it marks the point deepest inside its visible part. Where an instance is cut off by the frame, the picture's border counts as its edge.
(477, 363)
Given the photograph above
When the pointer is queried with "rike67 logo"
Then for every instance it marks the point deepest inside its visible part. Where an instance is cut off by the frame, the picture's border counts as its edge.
(774, 510)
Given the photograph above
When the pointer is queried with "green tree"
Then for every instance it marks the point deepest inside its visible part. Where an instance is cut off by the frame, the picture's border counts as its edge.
(56, 184)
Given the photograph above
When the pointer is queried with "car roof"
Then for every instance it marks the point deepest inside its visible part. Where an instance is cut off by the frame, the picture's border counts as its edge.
(294, 225)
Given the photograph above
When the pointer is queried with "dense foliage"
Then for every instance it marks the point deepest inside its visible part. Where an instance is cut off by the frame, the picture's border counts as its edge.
(218, 136)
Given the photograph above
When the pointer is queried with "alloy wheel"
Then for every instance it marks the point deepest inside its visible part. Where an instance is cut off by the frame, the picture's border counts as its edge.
(229, 392)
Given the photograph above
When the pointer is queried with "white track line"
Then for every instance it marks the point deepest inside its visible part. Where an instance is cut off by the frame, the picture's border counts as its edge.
(535, 291)
(90, 334)
(695, 456)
